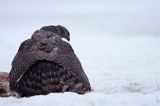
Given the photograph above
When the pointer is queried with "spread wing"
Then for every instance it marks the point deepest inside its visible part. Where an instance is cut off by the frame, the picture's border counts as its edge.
(70, 62)
(62, 54)
(22, 62)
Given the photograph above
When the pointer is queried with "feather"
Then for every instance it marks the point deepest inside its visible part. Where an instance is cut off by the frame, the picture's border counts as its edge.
(42, 67)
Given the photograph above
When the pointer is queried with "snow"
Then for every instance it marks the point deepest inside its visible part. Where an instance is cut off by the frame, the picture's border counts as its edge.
(91, 99)
(123, 71)
(117, 43)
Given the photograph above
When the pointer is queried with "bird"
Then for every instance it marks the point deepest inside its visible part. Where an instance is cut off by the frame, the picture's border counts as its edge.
(45, 63)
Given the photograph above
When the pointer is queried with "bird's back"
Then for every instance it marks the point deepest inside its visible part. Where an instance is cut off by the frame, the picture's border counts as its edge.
(45, 63)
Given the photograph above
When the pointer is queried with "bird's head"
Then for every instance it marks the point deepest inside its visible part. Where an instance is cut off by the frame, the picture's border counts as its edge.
(59, 30)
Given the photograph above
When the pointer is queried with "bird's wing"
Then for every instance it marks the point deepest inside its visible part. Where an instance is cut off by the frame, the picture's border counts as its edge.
(63, 55)
(69, 61)
(21, 62)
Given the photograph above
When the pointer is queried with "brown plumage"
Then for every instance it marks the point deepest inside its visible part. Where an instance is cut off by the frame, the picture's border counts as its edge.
(45, 63)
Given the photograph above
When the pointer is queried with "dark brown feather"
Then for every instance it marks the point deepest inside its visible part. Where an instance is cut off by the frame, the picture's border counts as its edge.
(45, 63)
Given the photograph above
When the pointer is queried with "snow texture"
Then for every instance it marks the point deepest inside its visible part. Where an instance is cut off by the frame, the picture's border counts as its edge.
(117, 42)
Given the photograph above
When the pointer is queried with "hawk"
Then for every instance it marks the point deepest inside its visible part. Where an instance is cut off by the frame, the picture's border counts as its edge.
(45, 63)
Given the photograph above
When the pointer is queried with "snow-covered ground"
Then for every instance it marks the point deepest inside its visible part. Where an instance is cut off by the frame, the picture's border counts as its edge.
(117, 42)
(123, 71)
